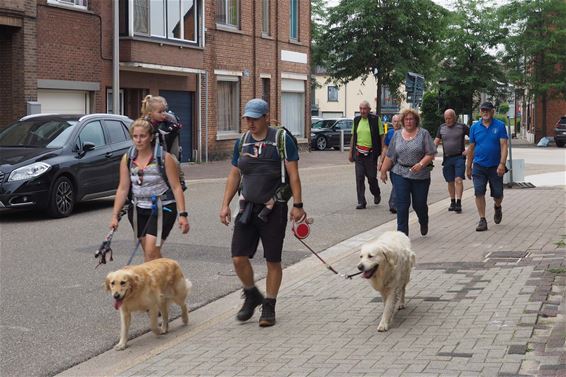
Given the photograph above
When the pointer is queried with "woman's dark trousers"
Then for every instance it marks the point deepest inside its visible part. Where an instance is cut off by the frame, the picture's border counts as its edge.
(407, 190)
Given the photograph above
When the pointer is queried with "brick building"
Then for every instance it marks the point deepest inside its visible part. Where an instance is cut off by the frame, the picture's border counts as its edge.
(207, 57)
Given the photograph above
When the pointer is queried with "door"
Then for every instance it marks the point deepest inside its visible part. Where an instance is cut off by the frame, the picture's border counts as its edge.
(181, 103)
(92, 171)
(119, 141)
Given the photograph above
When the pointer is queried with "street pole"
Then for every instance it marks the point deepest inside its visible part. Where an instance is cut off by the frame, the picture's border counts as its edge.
(116, 60)
(510, 184)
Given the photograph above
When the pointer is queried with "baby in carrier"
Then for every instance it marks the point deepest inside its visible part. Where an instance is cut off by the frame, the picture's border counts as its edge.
(166, 125)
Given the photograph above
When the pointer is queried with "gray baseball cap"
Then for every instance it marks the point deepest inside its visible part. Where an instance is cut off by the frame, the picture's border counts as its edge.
(255, 108)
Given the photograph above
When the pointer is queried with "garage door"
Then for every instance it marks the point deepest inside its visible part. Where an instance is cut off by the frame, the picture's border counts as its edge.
(63, 101)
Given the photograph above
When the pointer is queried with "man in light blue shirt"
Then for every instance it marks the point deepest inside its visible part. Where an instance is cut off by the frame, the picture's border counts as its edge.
(488, 152)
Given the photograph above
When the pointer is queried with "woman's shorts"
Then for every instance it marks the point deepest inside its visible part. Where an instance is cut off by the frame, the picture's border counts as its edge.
(245, 239)
(146, 218)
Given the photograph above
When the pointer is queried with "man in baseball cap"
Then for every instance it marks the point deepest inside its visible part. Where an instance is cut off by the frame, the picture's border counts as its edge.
(488, 152)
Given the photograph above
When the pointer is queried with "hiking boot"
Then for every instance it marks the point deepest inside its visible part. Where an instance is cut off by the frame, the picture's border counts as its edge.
(452, 206)
(267, 313)
(458, 207)
(482, 225)
(498, 214)
(377, 199)
(361, 206)
(252, 298)
(424, 229)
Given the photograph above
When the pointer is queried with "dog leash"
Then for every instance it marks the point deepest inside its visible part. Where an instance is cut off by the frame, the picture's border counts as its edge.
(105, 246)
(328, 266)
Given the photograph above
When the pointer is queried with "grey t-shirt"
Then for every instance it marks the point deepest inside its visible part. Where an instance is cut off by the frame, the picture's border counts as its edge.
(406, 153)
(453, 138)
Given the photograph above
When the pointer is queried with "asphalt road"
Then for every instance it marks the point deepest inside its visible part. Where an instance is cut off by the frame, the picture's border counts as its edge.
(54, 312)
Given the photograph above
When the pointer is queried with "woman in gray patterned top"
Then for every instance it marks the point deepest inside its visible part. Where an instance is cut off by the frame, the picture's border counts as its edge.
(144, 177)
(410, 152)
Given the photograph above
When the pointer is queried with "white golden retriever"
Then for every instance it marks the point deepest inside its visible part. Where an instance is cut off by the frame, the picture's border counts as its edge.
(151, 287)
(386, 262)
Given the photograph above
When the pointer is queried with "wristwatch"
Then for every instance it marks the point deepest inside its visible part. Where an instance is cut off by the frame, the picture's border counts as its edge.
(298, 205)
(183, 214)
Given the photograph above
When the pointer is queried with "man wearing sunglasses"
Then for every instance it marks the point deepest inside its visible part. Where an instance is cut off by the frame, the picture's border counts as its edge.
(488, 153)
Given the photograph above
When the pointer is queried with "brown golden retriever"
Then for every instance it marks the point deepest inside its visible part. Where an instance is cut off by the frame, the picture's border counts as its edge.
(151, 287)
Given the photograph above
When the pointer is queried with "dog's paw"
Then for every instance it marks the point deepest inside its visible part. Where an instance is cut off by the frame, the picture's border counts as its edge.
(156, 331)
(164, 330)
(382, 327)
(401, 306)
(120, 347)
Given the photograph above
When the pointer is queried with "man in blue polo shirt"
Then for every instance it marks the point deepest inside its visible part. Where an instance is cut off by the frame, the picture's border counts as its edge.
(488, 152)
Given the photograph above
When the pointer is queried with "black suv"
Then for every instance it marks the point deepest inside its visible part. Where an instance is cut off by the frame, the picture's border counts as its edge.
(560, 132)
(52, 161)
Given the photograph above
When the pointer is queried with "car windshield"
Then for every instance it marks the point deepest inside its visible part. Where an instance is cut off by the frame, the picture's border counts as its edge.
(562, 122)
(37, 133)
(325, 123)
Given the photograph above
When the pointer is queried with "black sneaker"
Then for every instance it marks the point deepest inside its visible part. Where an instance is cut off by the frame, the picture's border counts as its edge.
(498, 214)
(458, 207)
(452, 206)
(252, 298)
(267, 313)
(482, 225)
(377, 199)
(424, 229)
(392, 210)
(361, 206)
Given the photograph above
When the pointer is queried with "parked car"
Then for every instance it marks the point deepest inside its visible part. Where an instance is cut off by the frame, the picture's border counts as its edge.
(53, 161)
(560, 132)
(326, 133)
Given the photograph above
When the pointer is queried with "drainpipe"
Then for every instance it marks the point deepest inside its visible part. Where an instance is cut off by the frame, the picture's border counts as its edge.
(116, 60)
(206, 115)
(199, 117)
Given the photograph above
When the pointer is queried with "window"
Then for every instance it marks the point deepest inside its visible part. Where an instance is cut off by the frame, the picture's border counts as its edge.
(266, 90)
(228, 12)
(294, 20)
(266, 18)
(92, 133)
(82, 4)
(110, 101)
(332, 93)
(293, 112)
(171, 19)
(228, 105)
(117, 131)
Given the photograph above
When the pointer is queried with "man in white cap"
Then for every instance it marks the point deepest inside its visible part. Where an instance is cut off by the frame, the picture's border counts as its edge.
(257, 162)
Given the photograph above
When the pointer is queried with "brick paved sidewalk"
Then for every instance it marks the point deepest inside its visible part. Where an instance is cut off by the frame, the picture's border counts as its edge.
(479, 304)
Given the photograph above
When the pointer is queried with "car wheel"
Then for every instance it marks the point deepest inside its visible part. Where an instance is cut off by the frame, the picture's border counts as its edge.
(559, 144)
(62, 198)
(320, 143)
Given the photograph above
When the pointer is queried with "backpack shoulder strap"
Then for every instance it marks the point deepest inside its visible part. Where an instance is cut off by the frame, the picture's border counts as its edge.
(243, 139)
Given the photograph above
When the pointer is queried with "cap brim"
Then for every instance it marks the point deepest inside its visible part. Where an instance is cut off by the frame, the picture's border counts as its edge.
(252, 114)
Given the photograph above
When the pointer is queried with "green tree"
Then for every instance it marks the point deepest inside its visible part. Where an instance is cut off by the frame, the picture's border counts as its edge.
(535, 48)
(470, 66)
(383, 38)
(431, 116)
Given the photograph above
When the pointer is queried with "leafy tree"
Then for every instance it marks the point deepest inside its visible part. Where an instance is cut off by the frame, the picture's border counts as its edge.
(503, 108)
(383, 38)
(318, 15)
(535, 48)
(431, 117)
(470, 66)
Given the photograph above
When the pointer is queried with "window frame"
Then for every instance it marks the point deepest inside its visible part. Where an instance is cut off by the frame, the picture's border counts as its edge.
(334, 89)
(225, 22)
(197, 14)
(235, 117)
(79, 4)
(294, 13)
(266, 18)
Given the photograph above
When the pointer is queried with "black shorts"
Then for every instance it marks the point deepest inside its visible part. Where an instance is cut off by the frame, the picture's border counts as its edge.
(245, 239)
(144, 215)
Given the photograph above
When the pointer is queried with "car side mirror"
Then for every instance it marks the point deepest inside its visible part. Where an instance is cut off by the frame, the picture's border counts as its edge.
(85, 147)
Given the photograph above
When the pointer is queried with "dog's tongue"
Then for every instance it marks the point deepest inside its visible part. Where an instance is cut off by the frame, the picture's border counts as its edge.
(367, 274)
(117, 304)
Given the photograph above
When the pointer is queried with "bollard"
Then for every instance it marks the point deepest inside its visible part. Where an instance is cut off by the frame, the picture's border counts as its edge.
(341, 140)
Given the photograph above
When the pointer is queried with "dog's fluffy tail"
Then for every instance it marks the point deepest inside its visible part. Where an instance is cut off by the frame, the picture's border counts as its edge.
(189, 285)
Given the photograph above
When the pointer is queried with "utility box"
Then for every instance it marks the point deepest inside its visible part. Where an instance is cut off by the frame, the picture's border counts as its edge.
(518, 170)
(33, 108)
